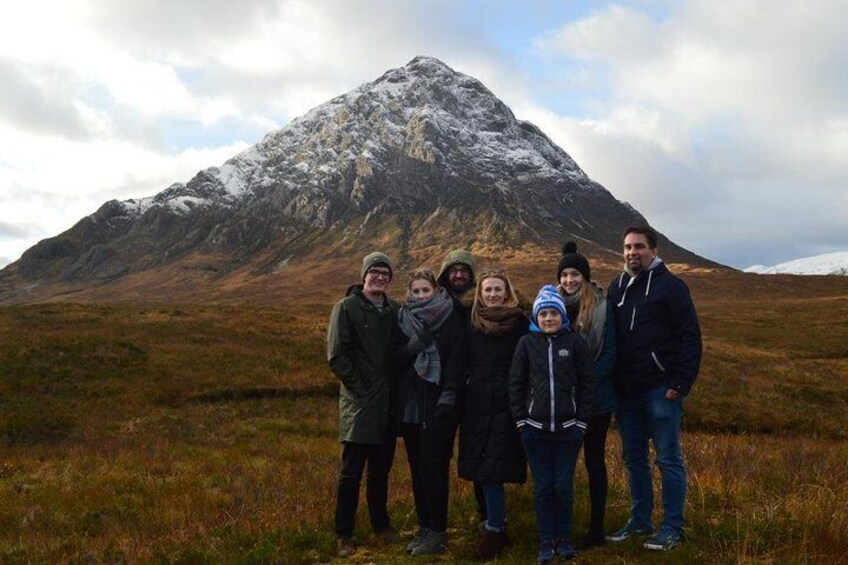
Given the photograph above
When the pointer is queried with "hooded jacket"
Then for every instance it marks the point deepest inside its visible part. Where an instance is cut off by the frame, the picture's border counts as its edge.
(459, 257)
(357, 337)
(552, 382)
(658, 337)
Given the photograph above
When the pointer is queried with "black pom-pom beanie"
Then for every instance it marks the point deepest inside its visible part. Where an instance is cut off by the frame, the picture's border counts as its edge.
(572, 259)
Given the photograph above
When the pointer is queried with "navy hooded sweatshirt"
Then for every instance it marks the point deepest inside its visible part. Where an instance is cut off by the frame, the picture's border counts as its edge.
(657, 332)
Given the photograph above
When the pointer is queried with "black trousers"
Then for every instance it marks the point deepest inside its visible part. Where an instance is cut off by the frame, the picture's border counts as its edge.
(379, 459)
(594, 448)
(480, 499)
(429, 451)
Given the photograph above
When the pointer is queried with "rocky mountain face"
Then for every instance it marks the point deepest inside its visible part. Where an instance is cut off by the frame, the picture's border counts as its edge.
(423, 156)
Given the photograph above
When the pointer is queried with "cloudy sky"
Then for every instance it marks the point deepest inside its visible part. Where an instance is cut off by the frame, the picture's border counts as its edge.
(724, 123)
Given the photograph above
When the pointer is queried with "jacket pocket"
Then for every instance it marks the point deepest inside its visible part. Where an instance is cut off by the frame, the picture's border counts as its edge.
(657, 362)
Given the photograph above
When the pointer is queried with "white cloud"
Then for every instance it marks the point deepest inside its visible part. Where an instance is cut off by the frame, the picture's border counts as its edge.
(56, 181)
(732, 109)
(109, 100)
(710, 118)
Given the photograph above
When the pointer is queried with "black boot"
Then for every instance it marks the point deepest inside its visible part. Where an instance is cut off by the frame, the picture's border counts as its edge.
(594, 537)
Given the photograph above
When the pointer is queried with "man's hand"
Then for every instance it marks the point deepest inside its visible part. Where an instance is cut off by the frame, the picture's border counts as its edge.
(672, 394)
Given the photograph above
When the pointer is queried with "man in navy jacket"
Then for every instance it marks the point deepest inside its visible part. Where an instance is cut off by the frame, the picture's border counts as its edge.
(659, 354)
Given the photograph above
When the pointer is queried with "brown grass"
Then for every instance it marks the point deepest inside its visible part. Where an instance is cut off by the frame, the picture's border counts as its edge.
(207, 433)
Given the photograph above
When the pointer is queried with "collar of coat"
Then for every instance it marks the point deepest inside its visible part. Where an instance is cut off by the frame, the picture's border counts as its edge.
(357, 289)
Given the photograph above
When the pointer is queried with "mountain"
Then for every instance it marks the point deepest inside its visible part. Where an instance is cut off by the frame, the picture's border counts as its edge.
(827, 264)
(422, 159)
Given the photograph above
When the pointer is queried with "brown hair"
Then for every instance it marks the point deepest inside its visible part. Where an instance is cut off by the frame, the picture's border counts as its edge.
(647, 231)
(421, 275)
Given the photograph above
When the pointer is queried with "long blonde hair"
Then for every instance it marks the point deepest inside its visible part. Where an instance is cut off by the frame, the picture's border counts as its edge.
(586, 307)
(510, 300)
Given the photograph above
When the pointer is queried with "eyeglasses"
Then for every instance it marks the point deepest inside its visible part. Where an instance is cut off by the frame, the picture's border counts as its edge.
(459, 269)
(379, 274)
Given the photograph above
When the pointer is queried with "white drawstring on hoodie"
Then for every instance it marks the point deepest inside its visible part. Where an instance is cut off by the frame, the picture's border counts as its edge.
(656, 261)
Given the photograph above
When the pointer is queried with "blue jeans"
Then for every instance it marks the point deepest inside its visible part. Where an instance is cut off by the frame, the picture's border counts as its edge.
(552, 457)
(495, 496)
(653, 417)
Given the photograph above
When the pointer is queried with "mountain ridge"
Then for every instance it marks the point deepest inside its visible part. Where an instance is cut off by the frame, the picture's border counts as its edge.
(423, 153)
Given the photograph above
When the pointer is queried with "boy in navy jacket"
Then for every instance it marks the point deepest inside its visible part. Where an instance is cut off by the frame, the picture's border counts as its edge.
(551, 394)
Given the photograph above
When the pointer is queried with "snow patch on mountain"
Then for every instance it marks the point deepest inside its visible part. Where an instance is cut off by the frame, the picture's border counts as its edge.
(424, 110)
(827, 264)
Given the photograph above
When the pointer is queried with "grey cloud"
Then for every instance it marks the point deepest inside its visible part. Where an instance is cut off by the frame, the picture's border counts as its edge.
(755, 178)
(11, 230)
(162, 28)
(46, 106)
(736, 217)
(361, 41)
(39, 108)
(189, 31)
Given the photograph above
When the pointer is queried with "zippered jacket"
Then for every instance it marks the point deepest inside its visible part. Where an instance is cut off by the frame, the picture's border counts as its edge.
(658, 337)
(357, 337)
(552, 382)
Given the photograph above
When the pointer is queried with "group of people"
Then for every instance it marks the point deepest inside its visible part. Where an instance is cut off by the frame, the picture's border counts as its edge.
(523, 383)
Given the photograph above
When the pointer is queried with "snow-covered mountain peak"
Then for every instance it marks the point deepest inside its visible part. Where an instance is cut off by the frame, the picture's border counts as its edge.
(826, 264)
(423, 153)
(424, 110)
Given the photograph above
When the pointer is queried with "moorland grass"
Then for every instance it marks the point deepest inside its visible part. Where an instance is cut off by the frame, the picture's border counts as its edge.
(205, 434)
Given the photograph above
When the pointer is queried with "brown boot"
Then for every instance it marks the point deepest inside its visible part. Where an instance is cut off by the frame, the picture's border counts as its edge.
(490, 545)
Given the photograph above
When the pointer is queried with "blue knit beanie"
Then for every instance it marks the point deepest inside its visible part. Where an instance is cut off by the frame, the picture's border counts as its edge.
(548, 297)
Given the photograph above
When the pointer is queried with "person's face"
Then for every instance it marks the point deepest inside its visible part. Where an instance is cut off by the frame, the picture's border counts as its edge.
(421, 288)
(377, 279)
(637, 254)
(571, 280)
(459, 277)
(493, 291)
(550, 320)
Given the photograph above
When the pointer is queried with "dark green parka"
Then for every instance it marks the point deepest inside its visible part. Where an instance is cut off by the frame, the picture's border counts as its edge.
(356, 350)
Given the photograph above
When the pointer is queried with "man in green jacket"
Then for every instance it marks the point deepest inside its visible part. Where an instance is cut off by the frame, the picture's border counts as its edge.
(457, 276)
(357, 338)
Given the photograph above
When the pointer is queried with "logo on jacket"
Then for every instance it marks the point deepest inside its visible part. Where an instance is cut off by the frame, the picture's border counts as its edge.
(563, 353)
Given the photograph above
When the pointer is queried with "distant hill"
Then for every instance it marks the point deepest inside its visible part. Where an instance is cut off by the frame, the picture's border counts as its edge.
(418, 161)
(827, 264)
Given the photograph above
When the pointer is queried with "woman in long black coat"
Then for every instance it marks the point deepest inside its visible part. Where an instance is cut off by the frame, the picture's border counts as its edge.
(490, 451)
(427, 345)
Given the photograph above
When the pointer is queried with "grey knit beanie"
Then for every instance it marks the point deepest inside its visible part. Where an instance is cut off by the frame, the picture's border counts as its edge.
(374, 259)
